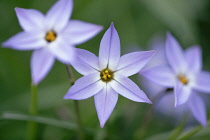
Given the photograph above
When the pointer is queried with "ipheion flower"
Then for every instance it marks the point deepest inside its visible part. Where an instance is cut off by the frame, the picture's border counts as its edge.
(184, 75)
(107, 76)
(52, 36)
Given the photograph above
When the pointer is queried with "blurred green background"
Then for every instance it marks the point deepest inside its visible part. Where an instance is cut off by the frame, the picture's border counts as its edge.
(136, 21)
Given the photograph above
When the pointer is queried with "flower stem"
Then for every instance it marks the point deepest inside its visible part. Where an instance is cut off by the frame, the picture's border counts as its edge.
(76, 104)
(32, 126)
(140, 132)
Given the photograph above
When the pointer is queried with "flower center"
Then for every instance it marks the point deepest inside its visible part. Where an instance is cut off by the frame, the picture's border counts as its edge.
(106, 75)
(183, 79)
(50, 36)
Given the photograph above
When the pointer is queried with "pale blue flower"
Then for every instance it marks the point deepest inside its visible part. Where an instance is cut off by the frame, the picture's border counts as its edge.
(107, 76)
(184, 75)
(52, 36)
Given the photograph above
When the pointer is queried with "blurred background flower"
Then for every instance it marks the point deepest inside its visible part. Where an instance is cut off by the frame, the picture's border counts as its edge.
(136, 21)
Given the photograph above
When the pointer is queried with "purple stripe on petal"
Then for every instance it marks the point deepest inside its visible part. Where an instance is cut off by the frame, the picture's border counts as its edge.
(41, 63)
(161, 75)
(109, 53)
(30, 19)
(78, 32)
(181, 93)
(62, 51)
(175, 54)
(85, 62)
(194, 59)
(105, 102)
(132, 63)
(85, 87)
(127, 88)
(26, 41)
(59, 14)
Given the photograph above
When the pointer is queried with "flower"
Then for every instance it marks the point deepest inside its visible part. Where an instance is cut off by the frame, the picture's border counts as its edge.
(184, 75)
(106, 76)
(51, 36)
(161, 96)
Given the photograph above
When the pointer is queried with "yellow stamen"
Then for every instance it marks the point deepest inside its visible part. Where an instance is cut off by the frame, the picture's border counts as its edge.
(50, 36)
(106, 75)
(183, 79)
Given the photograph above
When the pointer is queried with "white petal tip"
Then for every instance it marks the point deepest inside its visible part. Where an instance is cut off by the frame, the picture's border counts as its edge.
(36, 82)
(168, 34)
(17, 8)
(102, 124)
(67, 96)
(149, 102)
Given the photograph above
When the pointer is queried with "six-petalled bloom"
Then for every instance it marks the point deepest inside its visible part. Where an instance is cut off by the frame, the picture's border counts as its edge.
(184, 75)
(107, 76)
(51, 36)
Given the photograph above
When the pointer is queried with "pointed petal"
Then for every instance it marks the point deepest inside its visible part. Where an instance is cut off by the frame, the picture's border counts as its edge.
(63, 52)
(59, 14)
(175, 54)
(202, 82)
(85, 62)
(41, 63)
(182, 94)
(198, 109)
(133, 62)
(78, 32)
(194, 59)
(26, 41)
(161, 75)
(85, 87)
(30, 19)
(127, 88)
(105, 102)
(109, 53)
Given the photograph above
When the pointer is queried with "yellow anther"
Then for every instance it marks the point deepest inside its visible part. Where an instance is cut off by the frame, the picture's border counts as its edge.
(183, 79)
(106, 75)
(50, 36)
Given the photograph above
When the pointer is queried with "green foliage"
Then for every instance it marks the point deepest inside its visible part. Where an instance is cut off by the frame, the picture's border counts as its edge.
(136, 21)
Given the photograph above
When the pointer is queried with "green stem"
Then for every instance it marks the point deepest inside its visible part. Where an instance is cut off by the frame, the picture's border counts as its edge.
(80, 132)
(76, 104)
(140, 132)
(32, 126)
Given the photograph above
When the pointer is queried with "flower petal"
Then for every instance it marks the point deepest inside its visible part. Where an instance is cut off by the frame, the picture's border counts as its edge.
(197, 107)
(194, 59)
(30, 19)
(85, 87)
(109, 53)
(78, 32)
(132, 63)
(202, 82)
(59, 14)
(161, 75)
(182, 94)
(175, 54)
(63, 52)
(41, 63)
(85, 62)
(105, 102)
(127, 88)
(26, 41)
